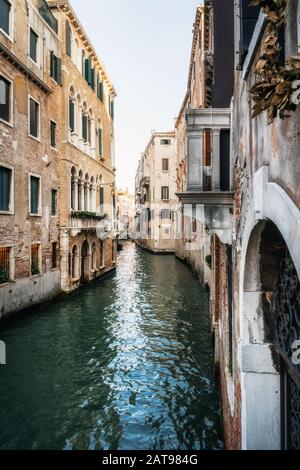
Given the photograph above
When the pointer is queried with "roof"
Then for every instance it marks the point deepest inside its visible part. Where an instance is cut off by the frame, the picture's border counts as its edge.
(160, 135)
(65, 5)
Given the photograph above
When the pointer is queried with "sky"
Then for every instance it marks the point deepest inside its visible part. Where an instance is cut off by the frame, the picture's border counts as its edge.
(145, 46)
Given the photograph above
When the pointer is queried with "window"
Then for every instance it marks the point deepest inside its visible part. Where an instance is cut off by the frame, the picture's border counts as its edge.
(68, 39)
(34, 118)
(249, 16)
(166, 214)
(89, 73)
(5, 264)
(111, 106)
(94, 253)
(166, 232)
(101, 194)
(74, 262)
(165, 142)
(55, 67)
(53, 134)
(53, 202)
(165, 164)
(35, 259)
(165, 193)
(33, 45)
(100, 142)
(71, 115)
(54, 255)
(100, 90)
(85, 127)
(5, 13)
(5, 99)
(34, 195)
(5, 189)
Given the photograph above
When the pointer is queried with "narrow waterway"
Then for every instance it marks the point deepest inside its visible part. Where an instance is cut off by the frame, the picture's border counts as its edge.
(125, 364)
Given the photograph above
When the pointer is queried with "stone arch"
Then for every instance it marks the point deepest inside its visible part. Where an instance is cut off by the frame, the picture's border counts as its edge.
(74, 262)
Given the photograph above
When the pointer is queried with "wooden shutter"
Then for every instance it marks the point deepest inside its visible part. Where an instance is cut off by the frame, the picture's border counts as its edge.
(4, 15)
(5, 182)
(51, 64)
(4, 99)
(68, 39)
(34, 194)
(58, 71)
(207, 147)
(100, 138)
(72, 116)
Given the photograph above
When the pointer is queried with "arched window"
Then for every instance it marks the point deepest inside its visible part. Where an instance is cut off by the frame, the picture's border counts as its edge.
(86, 193)
(84, 123)
(80, 191)
(72, 110)
(74, 262)
(101, 195)
(73, 189)
(100, 139)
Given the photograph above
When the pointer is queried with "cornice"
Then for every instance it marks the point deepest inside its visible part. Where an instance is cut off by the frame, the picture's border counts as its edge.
(65, 6)
(13, 59)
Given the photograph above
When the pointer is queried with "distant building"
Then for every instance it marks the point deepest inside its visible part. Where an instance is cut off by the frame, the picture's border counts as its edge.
(125, 209)
(155, 194)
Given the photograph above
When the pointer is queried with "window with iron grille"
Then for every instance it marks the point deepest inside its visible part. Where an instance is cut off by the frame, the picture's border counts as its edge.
(5, 12)
(53, 134)
(5, 91)
(165, 164)
(54, 255)
(35, 259)
(165, 193)
(4, 264)
(33, 45)
(34, 118)
(34, 194)
(5, 188)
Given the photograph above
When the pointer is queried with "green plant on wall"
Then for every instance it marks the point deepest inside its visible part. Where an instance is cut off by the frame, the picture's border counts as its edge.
(278, 90)
(87, 215)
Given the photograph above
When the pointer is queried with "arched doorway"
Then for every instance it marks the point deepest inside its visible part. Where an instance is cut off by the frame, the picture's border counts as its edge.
(85, 262)
(271, 325)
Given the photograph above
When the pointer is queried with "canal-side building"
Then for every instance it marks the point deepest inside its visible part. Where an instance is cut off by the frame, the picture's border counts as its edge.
(203, 139)
(125, 214)
(258, 288)
(30, 97)
(86, 163)
(155, 194)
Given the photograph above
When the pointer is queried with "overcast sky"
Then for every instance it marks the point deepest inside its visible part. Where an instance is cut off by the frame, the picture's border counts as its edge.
(145, 46)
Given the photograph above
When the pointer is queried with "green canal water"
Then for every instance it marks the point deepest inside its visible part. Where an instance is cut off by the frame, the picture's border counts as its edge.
(125, 364)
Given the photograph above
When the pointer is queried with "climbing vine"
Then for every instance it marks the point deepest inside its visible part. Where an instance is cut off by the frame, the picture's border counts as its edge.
(278, 91)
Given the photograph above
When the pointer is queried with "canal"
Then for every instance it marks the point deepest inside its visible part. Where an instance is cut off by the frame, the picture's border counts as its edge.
(125, 364)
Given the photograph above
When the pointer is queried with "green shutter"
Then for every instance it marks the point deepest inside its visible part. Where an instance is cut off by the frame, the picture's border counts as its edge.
(58, 71)
(5, 177)
(4, 15)
(34, 194)
(68, 39)
(100, 141)
(51, 64)
(71, 116)
(93, 79)
(85, 128)
(86, 69)
(101, 200)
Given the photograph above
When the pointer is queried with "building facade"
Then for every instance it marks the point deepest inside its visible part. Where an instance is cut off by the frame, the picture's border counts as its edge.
(125, 209)
(57, 168)
(155, 194)
(258, 288)
(29, 177)
(87, 166)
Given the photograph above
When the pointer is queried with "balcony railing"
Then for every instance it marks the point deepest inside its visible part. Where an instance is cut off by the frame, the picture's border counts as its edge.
(86, 220)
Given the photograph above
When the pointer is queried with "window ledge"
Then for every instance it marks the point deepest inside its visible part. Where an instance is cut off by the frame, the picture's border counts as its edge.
(36, 215)
(7, 213)
(6, 123)
(8, 36)
(37, 139)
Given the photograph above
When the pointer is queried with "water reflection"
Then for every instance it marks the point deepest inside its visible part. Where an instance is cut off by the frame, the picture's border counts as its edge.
(127, 364)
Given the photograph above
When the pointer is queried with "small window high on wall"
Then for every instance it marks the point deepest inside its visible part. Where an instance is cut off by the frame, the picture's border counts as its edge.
(248, 17)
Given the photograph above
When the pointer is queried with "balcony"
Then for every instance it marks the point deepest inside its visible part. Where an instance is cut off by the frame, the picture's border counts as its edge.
(83, 220)
(209, 169)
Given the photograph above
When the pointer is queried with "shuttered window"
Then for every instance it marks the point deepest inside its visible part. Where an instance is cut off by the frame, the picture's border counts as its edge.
(85, 127)
(72, 116)
(33, 46)
(5, 87)
(34, 194)
(100, 90)
(34, 110)
(53, 202)
(249, 16)
(55, 67)
(101, 199)
(165, 164)
(5, 187)
(54, 255)
(5, 9)
(53, 134)
(100, 142)
(68, 39)
(165, 193)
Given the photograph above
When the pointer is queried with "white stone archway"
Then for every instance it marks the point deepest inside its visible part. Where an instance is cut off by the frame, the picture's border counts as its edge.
(260, 378)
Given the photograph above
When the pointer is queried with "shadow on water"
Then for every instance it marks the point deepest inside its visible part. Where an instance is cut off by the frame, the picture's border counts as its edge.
(125, 364)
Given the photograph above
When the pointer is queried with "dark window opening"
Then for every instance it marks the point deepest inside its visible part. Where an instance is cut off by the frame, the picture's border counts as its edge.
(72, 116)
(53, 134)
(33, 45)
(54, 255)
(165, 164)
(4, 264)
(34, 118)
(34, 194)
(5, 99)
(5, 8)
(55, 67)
(165, 193)
(53, 202)
(249, 17)
(5, 186)
(225, 160)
